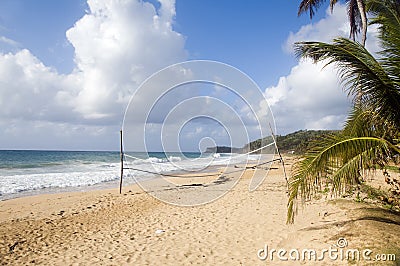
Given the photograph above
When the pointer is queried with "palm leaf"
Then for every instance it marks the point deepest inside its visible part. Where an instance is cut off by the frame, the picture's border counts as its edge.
(360, 73)
(372, 132)
(339, 158)
(387, 17)
(354, 16)
(309, 5)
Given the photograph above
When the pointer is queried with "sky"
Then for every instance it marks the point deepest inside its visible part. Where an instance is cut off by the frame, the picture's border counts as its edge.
(68, 68)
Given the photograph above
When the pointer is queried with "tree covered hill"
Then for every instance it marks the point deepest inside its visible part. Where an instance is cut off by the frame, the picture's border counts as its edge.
(297, 142)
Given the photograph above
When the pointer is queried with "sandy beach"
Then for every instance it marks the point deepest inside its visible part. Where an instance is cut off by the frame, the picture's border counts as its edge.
(104, 227)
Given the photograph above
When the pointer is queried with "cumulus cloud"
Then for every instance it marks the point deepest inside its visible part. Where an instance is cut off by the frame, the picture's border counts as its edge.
(333, 25)
(30, 90)
(117, 45)
(310, 97)
(173, 107)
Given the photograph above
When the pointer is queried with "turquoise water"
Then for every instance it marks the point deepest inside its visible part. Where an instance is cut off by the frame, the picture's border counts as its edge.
(23, 171)
(28, 160)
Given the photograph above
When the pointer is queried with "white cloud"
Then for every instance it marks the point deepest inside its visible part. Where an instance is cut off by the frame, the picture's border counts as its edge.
(311, 97)
(30, 90)
(18, 134)
(333, 25)
(308, 98)
(117, 45)
(9, 42)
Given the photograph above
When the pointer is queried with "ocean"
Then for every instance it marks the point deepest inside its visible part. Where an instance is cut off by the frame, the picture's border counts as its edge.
(29, 172)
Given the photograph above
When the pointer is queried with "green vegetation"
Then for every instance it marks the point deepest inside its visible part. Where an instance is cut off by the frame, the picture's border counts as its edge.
(297, 142)
(300, 141)
(392, 168)
(371, 134)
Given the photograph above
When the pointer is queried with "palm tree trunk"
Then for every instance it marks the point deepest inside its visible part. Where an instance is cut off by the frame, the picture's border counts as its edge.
(363, 14)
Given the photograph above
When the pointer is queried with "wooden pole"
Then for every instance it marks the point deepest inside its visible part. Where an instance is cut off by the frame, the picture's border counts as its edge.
(122, 162)
(280, 156)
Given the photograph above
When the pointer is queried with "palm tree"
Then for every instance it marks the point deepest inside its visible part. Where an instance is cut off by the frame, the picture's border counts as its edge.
(356, 13)
(370, 136)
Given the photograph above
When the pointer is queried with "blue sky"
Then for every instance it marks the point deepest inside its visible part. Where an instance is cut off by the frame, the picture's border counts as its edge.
(40, 26)
(248, 35)
(68, 67)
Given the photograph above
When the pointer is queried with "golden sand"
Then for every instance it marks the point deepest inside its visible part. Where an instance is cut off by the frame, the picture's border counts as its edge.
(106, 228)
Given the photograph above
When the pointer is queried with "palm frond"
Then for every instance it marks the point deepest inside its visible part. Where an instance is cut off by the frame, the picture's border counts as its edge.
(360, 73)
(309, 6)
(358, 122)
(354, 16)
(338, 159)
(387, 17)
(332, 4)
(371, 135)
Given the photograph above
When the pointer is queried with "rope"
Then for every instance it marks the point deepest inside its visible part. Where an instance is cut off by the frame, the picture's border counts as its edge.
(133, 157)
(274, 160)
(171, 175)
(206, 175)
(222, 160)
(244, 154)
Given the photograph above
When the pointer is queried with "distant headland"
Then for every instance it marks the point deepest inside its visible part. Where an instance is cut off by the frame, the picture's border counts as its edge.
(223, 149)
(296, 143)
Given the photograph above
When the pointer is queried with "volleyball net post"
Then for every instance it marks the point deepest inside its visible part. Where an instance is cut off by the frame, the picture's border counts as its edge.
(122, 162)
(122, 157)
(279, 154)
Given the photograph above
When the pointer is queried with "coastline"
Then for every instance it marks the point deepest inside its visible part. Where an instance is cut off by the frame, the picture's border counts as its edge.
(49, 173)
(104, 227)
